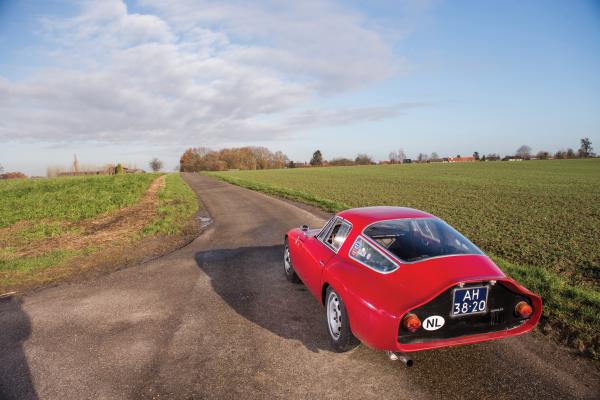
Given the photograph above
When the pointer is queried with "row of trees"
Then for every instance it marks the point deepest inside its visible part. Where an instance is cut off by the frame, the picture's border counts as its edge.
(317, 160)
(399, 156)
(203, 159)
(585, 150)
(524, 153)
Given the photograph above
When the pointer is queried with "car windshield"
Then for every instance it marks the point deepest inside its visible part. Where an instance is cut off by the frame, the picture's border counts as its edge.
(417, 239)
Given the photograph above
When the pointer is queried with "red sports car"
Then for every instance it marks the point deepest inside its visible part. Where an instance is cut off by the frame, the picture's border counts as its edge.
(403, 280)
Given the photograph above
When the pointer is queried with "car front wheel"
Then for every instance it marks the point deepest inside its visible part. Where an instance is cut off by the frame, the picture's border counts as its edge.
(338, 325)
(288, 267)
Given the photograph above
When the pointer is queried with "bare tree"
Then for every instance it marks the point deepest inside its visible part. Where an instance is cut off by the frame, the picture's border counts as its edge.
(155, 164)
(393, 157)
(586, 148)
(422, 157)
(401, 156)
(476, 156)
(524, 152)
(279, 160)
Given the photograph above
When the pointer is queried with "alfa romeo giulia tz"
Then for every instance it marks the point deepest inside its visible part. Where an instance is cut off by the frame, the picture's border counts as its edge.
(402, 280)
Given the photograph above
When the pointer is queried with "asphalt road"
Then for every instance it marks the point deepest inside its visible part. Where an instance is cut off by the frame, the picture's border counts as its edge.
(217, 319)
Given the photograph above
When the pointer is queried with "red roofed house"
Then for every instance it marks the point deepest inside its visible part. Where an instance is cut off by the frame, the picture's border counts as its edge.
(460, 159)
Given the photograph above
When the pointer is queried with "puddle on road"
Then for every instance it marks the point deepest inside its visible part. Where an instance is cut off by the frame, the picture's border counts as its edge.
(204, 221)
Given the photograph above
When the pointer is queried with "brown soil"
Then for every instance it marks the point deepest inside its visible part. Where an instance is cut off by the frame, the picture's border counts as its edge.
(113, 257)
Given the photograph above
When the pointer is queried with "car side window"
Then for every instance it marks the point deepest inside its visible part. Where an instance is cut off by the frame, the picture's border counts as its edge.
(338, 234)
(366, 254)
(326, 229)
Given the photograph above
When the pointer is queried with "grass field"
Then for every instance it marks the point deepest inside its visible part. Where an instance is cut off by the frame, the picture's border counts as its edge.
(47, 224)
(539, 220)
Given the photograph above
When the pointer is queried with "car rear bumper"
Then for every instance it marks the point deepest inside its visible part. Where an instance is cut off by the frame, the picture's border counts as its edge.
(498, 322)
(467, 339)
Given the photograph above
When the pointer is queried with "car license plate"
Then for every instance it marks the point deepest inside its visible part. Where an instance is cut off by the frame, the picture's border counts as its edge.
(468, 301)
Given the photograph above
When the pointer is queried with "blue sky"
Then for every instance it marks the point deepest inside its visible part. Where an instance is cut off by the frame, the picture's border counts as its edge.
(124, 82)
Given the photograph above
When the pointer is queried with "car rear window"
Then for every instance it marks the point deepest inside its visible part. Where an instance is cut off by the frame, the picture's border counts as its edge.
(417, 239)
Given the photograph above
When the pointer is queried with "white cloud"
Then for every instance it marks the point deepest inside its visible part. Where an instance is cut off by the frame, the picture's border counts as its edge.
(196, 71)
(319, 41)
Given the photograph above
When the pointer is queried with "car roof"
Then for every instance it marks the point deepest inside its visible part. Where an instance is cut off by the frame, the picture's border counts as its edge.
(367, 215)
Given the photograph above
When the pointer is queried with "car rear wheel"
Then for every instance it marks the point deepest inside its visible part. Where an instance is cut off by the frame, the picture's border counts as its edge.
(288, 267)
(338, 324)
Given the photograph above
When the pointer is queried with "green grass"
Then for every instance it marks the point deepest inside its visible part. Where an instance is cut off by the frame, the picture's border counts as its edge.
(47, 209)
(69, 199)
(572, 309)
(178, 204)
(539, 219)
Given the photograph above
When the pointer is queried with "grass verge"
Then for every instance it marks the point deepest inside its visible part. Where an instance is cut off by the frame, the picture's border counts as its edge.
(571, 313)
(177, 204)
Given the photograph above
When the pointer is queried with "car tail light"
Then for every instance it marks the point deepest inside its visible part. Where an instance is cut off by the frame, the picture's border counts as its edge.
(523, 309)
(411, 322)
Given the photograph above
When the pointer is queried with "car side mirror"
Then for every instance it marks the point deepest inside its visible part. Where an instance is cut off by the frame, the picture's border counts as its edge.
(304, 228)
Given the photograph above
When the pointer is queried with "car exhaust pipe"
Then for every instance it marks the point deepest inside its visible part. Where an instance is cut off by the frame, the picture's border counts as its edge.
(406, 360)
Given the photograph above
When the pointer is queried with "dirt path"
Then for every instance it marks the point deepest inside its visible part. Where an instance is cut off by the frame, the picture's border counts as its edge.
(217, 319)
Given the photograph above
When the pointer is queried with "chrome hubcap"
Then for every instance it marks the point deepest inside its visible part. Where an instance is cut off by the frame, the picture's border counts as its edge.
(286, 260)
(334, 315)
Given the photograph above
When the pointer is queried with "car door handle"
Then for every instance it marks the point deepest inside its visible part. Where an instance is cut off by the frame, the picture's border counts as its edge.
(322, 263)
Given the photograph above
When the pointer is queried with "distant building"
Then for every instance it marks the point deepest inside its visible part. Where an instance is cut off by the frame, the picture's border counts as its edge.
(133, 170)
(461, 159)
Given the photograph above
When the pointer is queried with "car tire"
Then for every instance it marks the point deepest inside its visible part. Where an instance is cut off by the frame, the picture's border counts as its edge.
(338, 324)
(288, 267)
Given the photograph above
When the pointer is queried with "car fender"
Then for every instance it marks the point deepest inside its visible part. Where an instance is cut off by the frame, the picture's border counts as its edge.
(369, 323)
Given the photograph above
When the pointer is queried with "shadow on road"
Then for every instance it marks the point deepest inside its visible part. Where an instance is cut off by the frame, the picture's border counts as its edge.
(15, 328)
(251, 281)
